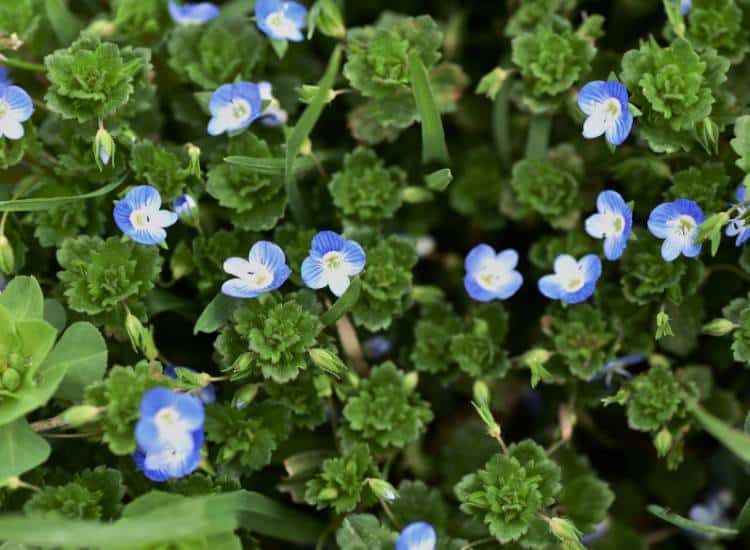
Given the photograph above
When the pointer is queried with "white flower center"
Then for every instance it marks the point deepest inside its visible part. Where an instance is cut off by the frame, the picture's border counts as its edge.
(333, 261)
(141, 219)
(684, 226)
(259, 278)
(609, 111)
(280, 24)
(167, 419)
(615, 223)
(491, 277)
(4, 108)
(239, 109)
(572, 280)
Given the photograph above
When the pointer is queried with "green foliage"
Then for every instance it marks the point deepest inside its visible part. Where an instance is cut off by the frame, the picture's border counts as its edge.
(478, 347)
(432, 338)
(741, 337)
(476, 191)
(718, 24)
(708, 185)
(364, 532)
(542, 187)
(341, 482)
(160, 168)
(656, 397)
(583, 337)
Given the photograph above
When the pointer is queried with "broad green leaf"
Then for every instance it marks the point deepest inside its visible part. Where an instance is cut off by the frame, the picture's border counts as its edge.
(33, 205)
(433, 136)
(268, 166)
(439, 180)
(280, 47)
(743, 520)
(710, 531)
(65, 24)
(346, 302)
(21, 449)
(736, 441)
(216, 314)
(23, 298)
(55, 314)
(84, 350)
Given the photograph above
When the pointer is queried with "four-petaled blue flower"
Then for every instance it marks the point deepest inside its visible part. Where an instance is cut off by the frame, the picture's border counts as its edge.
(677, 223)
(234, 107)
(613, 223)
(281, 20)
(140, 217)
(606, 107)
(169, 434)
(15, 108)
(737, 226)
(618, 366)
(192, 14)
(333, 260)
(491, 276)
(419, 535)
(273, 115)
(207, 393)
(264, 270)
(573, 280)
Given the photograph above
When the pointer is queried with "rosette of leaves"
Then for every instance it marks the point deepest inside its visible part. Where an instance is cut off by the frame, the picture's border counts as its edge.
(99, 276)
(478, 347)
(341, 482)
(707, 184)
(92, 79)
(386, 282)
(365, 190)
(139, 21)
(475, 193)
(655, 397)
(432, 337)
(532, 14)
(385, 412)
(509, 492)
(248, 435)
(161, 168)
(256, 200)
(120, 395)
(718, 24)
(301, 398)
(541, 187)
(741, 336)
(224, 50)
(675, 88)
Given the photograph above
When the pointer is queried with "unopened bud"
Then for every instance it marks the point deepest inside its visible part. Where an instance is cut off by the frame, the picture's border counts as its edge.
(481, 392)
(80, 414)
(565, 531)
(663, 442)
(411, 379)
(104, 148)
(245, 395)
(329, 493)
(326, 16)
(11, 379)
(719, 327)
(416, 195)
(141, 338)
(102, 27)
(427, 295)
(187, 209)
(382, 489)
(7, 257)
(194, 154)
(327, 361)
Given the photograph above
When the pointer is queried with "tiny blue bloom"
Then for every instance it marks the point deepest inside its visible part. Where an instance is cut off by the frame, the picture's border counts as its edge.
(573, 280)
(5, 79)
(192, 14)
(737, 226)
(207, 393)
(606, 107)
(618, 366)
(281, 20)
(103, 155)
(376, 347)
(273, 115)
(140, 217)
(234, 107)
(419, 535)
(15, 107)
(600, 529)
(613, 223)
(168, 419)
(264, 270)
(490, 275)
(685, 6)
(184, 205)
(333, 260)
(169, 462)
(677, 223)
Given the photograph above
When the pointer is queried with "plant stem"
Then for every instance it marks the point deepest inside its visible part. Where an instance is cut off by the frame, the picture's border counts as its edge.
(537, 140)
(478, 543)
(23, 65)
(731, 269)
(48, 424)
(501, 124)
(351, 346)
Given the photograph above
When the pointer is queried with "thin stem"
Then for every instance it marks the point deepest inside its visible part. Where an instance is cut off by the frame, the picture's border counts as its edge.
(389, 513)
(48, 424)
(730, 268)
(479, 542)
(351, 345)
(503, 446)
(23, 65)
(537, 141)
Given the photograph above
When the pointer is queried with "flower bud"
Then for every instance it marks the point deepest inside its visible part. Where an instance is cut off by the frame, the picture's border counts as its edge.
(327, 361)
(536, 356)
(410, 381)
(243, 362)
(481, 392)
(102, 27)
(187, 209)
(307, 93)
(329, 493)
(426, 295)
(194, 154)
(326, 16)
(663, 442)
(415, 195)
(719, 327)
(565, 531)
(7, 257)
(11, 379)
(245, 395)
(382, 489)
(80, 414)
(104, 148)
(141, 338)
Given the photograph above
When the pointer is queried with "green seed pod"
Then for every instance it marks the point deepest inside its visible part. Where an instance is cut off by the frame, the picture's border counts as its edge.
(11, 379)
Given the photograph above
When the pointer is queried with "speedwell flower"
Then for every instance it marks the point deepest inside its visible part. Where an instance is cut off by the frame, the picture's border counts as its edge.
(273, 115)
(613, 223)
(192, 14)
(234, 107)
(185, 207)
(140, 217)
(170, 462)
(419, 535)
(264, 270)
(281, 20)
(737, 226)
(490, 275)
(573, 280)
(168, 419)
(677, 223)
(15, 107)
(618, 366)
(333, 260)
(606, 107)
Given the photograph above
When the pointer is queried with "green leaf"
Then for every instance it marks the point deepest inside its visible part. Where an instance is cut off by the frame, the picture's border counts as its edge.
(743, 520)
(21, 449)
(23, 298)
(84, 350)
(736, 441)
(268, 166)
(33, 205)
(55, 314)
(710, 531)
(346, 302)
(65, 24)
(364, 532)
(216, 314)
(280, 47)
(433, 136)
(439, 180)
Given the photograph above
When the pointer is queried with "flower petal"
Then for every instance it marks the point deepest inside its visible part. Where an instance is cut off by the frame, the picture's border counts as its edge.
(10, 127)
(591, 95)
(620, 130)
(595, 125)
(355, 257)
(418, 535)
(510, 287)
(475, 290)
(565, 264)
(591, 266)
(313, 274)
(671, 248)
(239, 288)
(615, 245)
(338, 282)
(660, 218)
(268, 254)
(478, 257)
(19, 102)
(596, 226)
(507, 260)
(549, 285)
(327, 241)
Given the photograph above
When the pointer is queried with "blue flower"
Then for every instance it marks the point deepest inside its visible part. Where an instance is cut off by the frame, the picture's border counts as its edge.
(606, 107)
(140, 217)
(685, 6)
(737, 226)
(168, 419)
(15, 107)
(234, 107)
(677, 223)
(281, 20)
(376, 347)
(170, 462)
(419, 535)
(207, 393)
(104, 155)
(184, 206)
(619, 367)
(333, 260)
(273, 115)
(491, 276)
(264, 270)
(573, 281)
(5, 79)
(192, 14)
(613, 223)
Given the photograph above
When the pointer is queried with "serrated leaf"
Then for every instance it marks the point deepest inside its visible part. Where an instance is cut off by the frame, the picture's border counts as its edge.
(21, 449)
(33, 205)
(710, 531)
(345, 303)
(434, 147)
(364, 532)
(216, 314)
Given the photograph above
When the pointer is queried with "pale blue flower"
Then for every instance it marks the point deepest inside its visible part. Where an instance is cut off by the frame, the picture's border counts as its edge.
(573, 280)
(15, 108)
(490, 275)
(685, 6)
(333, 260)
(281, 20)
(185, 206)
(140, 217)
(192, 14)
(273, 115)
(104, 155)
(737, 226)
(170, 462)
(234, 107)
(264, 270)
(613, 223)
(606, 107)
(207, 394)
(376, 347)
(618, 366)
(419, 535)
(168, 419)
(677, 223)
